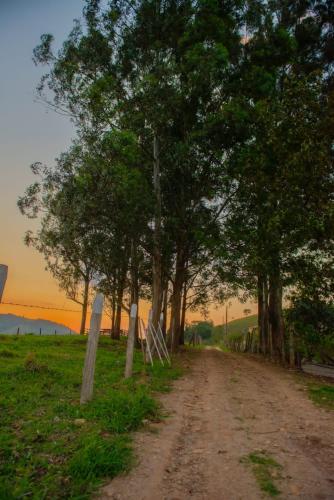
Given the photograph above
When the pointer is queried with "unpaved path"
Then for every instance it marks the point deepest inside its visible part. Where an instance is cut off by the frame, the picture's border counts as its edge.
(226, 407)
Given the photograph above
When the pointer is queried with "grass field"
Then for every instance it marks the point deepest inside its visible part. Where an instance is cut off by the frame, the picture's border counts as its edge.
(50, 446)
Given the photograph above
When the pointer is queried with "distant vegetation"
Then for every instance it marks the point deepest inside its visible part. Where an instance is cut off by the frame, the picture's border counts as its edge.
(211, 334)
(50, 446)
(202, 329)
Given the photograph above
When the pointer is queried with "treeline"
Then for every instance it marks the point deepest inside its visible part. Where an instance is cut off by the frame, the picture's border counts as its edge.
(203, 162)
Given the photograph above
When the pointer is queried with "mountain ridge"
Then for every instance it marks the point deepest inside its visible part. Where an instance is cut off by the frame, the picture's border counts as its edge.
(9, 324)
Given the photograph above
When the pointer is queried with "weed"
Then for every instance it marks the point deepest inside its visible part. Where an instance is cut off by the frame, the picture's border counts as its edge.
(263, 467)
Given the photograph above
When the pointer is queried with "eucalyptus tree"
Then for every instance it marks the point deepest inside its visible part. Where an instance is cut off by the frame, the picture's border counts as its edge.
(119, 206)
(65, 237)
(158, 70)
(284, 168)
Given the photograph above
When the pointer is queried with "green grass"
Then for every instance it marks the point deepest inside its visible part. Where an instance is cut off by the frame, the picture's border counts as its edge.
(265, 469)
(322, 395)
(50, 446)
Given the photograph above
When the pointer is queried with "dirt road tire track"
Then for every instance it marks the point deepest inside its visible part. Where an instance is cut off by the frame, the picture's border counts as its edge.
(226, 407)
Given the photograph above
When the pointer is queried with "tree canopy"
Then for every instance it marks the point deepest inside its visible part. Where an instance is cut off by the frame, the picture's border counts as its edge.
(203, 162)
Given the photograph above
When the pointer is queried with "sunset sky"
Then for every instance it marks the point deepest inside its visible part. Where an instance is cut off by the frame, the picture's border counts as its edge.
(28, 133)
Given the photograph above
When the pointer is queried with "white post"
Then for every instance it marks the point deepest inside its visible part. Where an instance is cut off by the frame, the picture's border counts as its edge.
(3, 278)
(90, 359)
(131, 341)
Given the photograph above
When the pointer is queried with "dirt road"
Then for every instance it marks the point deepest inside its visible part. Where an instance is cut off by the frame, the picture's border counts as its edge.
(225, 408)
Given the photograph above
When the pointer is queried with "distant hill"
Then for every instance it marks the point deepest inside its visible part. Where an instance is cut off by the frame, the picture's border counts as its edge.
(9, 323)
(239, 325)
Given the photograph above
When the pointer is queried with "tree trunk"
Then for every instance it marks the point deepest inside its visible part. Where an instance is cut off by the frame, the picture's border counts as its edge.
(263, 317)
(183, 313)
(117, 330)
(177, 299)
(165, 309)
(84, 307)
(266, 329)
(119, 302)
(157, 260)
(113, 315)
(292, 360)
(276, 315)
(260, 313)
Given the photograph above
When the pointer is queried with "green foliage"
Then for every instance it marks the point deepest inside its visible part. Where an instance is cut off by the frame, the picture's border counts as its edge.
(264, 467)
(312, 322)
(202, 328)
(50, 445)
(322, 394)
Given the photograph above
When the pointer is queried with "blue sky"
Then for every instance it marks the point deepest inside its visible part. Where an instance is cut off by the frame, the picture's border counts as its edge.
(28, 133)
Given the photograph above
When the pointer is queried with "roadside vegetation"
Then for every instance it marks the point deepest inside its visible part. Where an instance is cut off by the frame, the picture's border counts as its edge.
(50, 446)
(321, 394)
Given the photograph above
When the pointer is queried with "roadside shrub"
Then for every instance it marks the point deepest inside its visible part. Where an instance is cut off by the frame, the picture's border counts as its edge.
(312, 323)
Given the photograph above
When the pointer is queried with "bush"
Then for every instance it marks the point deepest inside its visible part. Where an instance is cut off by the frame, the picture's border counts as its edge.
(312, 323)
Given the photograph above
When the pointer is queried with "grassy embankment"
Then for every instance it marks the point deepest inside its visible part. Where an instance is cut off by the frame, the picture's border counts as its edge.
(50, 446)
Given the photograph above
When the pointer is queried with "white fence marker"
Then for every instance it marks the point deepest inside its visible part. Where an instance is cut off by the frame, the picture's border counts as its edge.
(90, 359)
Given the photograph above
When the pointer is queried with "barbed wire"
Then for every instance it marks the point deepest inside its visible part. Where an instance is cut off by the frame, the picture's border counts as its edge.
(41, 307)
(50, 308)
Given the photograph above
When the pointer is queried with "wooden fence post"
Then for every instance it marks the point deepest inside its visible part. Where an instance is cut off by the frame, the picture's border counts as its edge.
(131, 341)
(90, 359)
